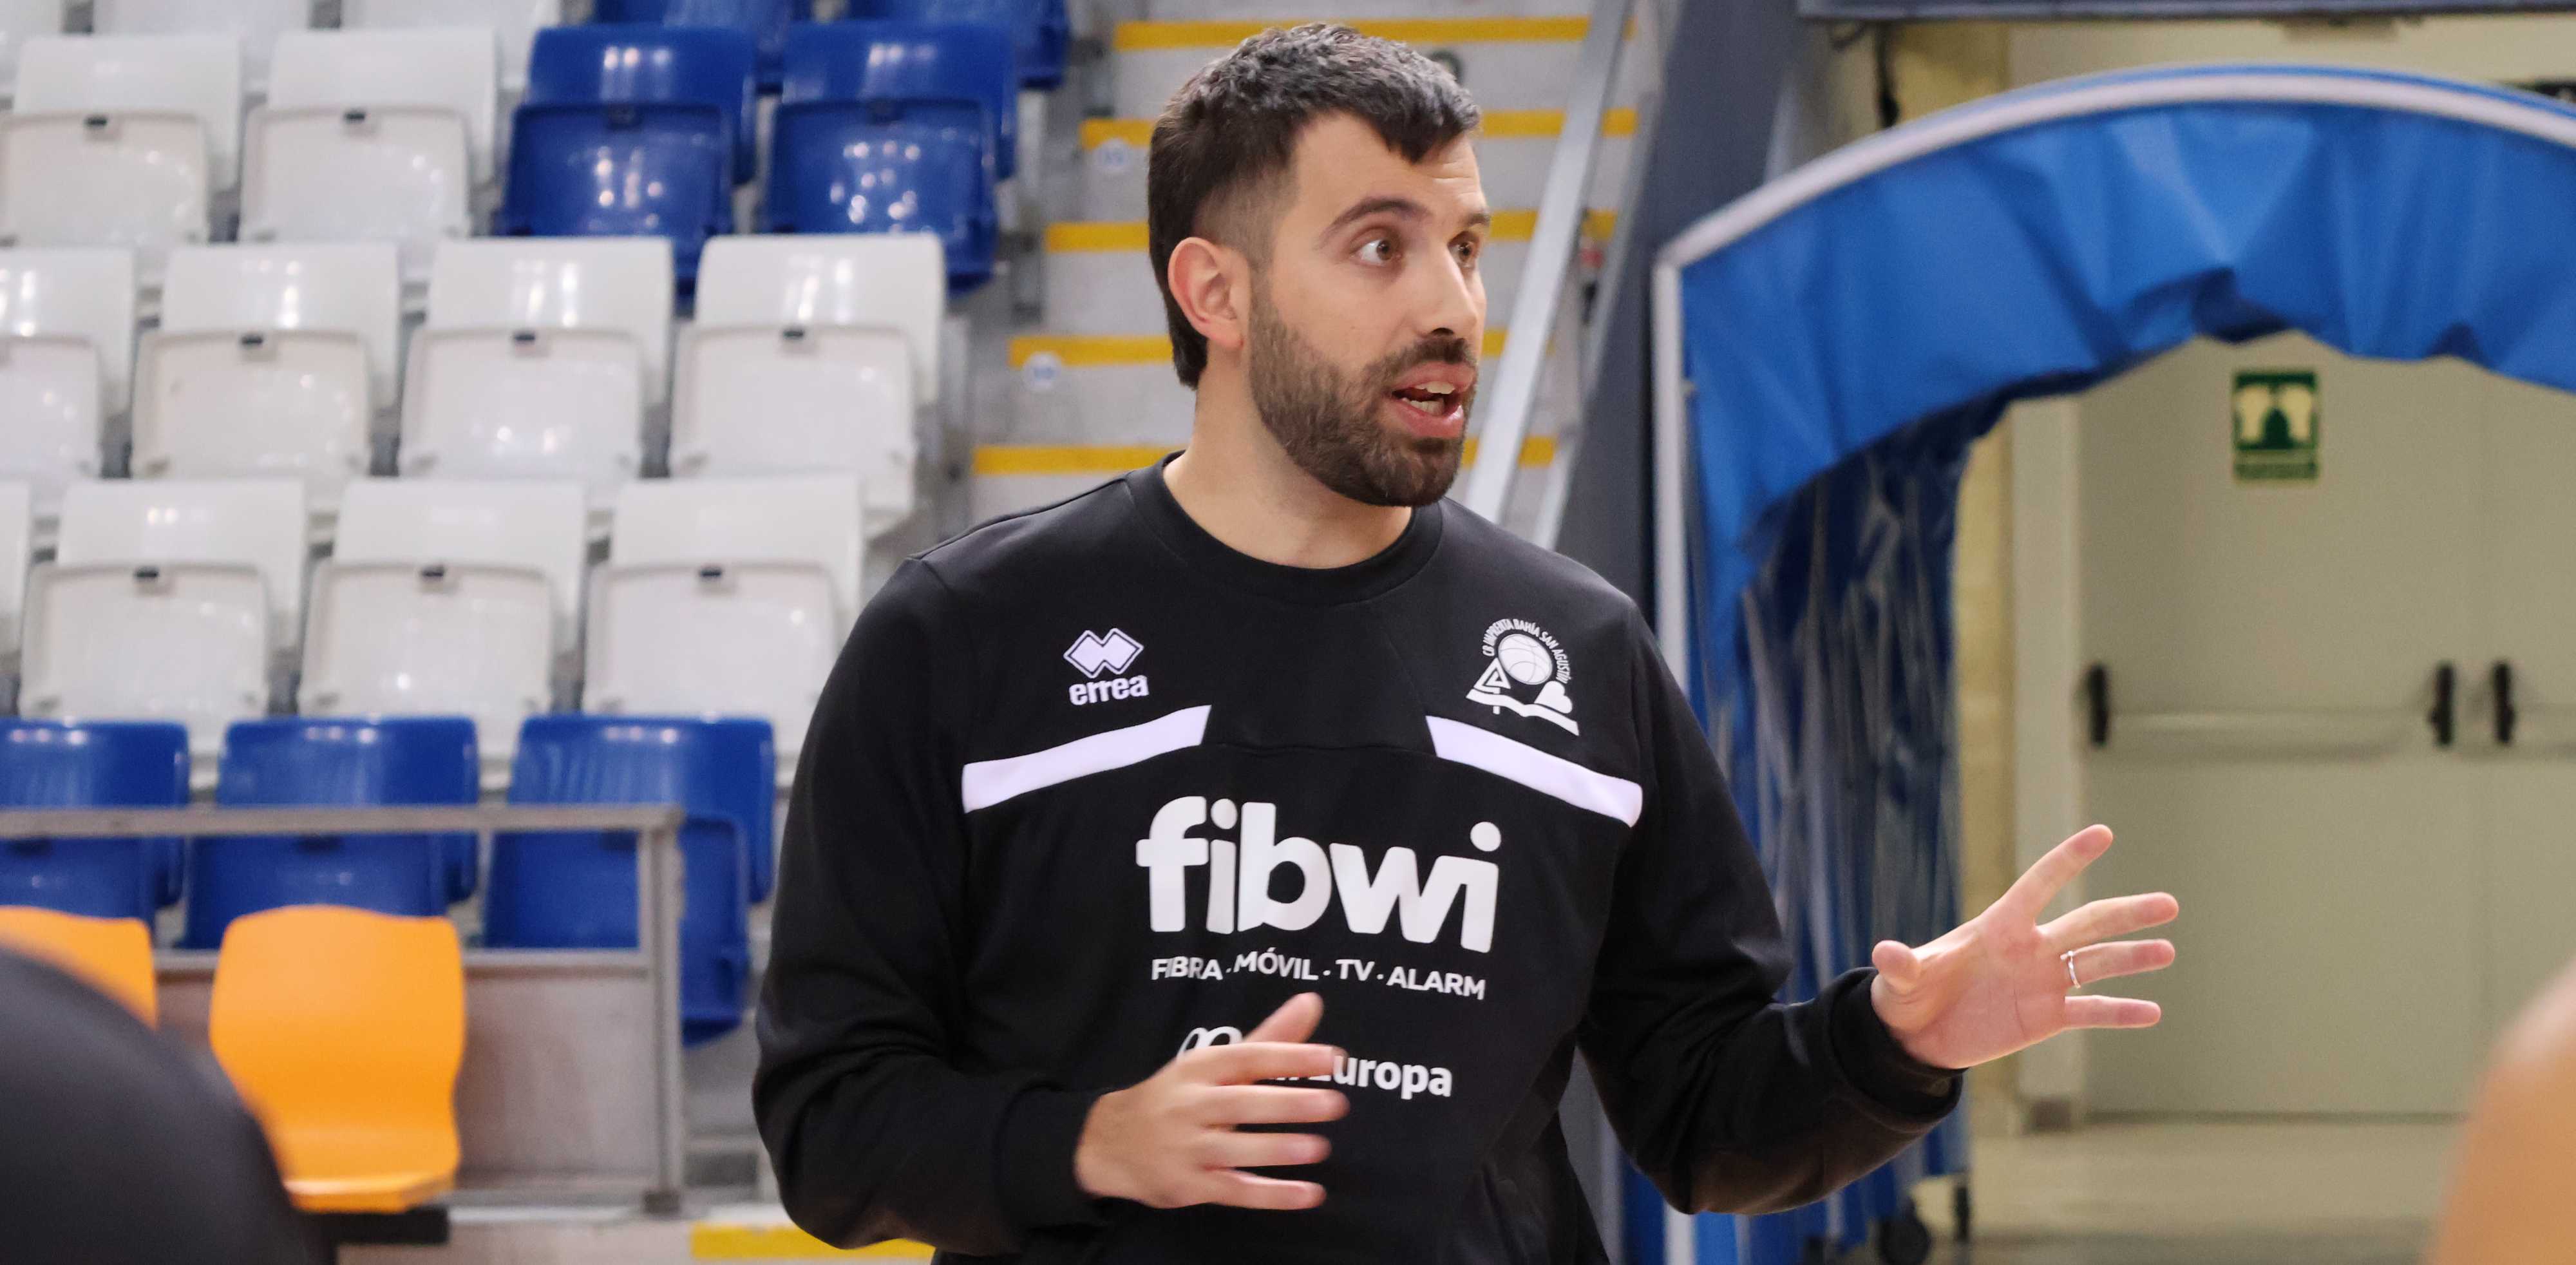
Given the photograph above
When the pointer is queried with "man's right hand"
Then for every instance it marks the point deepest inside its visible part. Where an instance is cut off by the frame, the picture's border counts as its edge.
(1171, 1141)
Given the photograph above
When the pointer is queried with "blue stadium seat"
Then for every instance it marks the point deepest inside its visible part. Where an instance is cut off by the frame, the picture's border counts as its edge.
(749, 750)
(306, 762)
(576, 889)
(643, 63)
(765, 21)
(912, 61)
(1040, 32)
(99, 764)
(621, 171)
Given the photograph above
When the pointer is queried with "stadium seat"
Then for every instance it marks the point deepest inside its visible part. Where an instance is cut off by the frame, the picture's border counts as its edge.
(1040, 31)
(253, 24)
(67, 321)
(253, 522)
(765, 568)
(448, 598)
(20, 19)
(344, 1030)
(112, 955)
(309, 762)
(270, 360)
(848, 166)
(652, 170)
(575, 890)
(630, 64)
(903, 61)
(538, 360)
(513, 22)
(98, 764)
(765, 21)
(120, 141)
(811, 353)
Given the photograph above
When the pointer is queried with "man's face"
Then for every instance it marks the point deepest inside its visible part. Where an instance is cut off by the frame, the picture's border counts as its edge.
(1367, 322)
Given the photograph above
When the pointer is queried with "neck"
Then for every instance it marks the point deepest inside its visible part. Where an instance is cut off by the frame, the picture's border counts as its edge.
(1240, 486)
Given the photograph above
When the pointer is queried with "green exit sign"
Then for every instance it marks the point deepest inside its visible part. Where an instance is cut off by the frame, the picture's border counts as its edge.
(2276, 418)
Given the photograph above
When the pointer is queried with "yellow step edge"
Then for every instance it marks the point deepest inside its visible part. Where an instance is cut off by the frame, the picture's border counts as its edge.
(1499, 124)
(1098, 236)
(710, 1241)
(1093, 351)
(1139, 36)
(1102, 460)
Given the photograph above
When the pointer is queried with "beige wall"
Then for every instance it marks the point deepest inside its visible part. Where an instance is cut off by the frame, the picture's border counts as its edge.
(2496, 49)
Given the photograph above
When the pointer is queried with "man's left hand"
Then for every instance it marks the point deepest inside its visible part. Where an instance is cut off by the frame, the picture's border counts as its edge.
(2000, 983)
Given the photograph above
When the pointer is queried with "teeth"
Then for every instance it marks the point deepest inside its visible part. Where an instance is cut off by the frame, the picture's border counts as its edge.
(1430, 407)
(1436, 388)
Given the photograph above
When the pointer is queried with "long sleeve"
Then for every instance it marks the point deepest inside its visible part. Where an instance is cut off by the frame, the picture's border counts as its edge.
(876, 1129)
(1728, 1100)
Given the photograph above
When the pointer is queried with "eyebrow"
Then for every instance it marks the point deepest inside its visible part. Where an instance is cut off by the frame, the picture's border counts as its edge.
(1401, 208)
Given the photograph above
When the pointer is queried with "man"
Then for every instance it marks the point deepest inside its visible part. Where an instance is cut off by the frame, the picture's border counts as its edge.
(1116, 812)
(117, 1148)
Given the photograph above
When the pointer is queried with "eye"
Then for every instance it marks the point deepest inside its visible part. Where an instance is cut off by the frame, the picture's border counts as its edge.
(1377, 251)
(1467, 249)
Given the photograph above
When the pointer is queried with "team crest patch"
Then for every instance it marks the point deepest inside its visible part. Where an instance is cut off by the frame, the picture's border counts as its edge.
(1527, 674)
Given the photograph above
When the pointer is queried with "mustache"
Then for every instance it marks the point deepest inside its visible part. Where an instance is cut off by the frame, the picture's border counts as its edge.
(1436, 349)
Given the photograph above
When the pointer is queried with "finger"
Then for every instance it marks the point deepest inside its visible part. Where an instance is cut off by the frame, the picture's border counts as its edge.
(1244, 1190)
(1897, 962)
(2122, 957)
(2041, 883)
(1269, 1060)
(1226, 1148)
(1272, 1104)
(2111, 1012)
(1293, 1021)
(2104, 919)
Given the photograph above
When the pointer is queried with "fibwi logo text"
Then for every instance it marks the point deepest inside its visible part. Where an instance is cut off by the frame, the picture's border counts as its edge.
(1241, 876)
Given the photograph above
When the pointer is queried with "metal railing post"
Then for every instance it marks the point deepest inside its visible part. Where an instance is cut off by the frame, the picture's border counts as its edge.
(658, 896)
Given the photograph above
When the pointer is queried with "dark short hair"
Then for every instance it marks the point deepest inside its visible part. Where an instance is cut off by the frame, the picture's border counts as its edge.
(1228, 136)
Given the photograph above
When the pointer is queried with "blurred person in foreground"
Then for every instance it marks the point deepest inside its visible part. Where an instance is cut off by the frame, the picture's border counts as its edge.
(119, 1148)
(2513, 1189)
(1262, 788)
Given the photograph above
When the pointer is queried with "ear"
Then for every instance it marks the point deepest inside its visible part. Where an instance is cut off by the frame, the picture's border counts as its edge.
(1213, 285)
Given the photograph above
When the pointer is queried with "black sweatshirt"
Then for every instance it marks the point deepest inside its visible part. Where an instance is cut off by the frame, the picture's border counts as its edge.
(1089, 788)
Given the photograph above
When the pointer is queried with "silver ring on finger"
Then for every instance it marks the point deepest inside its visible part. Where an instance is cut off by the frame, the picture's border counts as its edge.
(2073, 981)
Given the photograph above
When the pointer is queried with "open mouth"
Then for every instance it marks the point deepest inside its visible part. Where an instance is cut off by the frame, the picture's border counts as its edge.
(1434, 399)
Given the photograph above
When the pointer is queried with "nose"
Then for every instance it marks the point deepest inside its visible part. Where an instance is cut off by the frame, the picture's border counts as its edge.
(1450, 299)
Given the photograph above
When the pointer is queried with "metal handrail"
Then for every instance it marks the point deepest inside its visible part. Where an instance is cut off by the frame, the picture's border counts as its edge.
(656, 956)
(1551, 263)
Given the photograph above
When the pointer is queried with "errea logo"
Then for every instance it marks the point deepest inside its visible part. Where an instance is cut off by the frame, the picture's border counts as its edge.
(1093, 654)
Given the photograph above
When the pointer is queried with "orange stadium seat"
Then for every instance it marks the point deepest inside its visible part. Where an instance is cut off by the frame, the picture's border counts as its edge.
(114, 955)
(344, 1030)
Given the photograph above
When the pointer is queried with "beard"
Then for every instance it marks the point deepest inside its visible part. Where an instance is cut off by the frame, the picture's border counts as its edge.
(1327, 420)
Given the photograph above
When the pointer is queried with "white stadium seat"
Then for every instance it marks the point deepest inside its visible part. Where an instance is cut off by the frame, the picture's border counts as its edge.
(188, 643)
(178, 525)
(522, 523)
(796, 361)
(66, 349)
(17, 545)
(452, 68)
(270, 360)
(256, 24)
(119, 141)
(743, 639)
(812, 519)
(434, 638)
(20, 19)
(514, 21)
(538, 360)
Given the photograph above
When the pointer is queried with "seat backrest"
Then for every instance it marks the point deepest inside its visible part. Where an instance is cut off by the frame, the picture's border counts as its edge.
(1039, 29)
(889, 60)
(112, 955)
(348, 288)
(20, 19)
(199, 75)
(456, 68)
(748, 639)
(660, 169)
(791, 518)
(254, 522)
(880, 167)
(93, 764)
(642, 62)
(514, 22)
(343, 1024)
(189, 644)
(81, 291)
(296, 760)
(765, 21)
(898, 280)
(619, 284)
(256, 24)
(527, 524)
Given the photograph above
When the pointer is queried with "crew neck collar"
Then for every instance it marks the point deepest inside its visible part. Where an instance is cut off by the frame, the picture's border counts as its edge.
(1359, 581)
